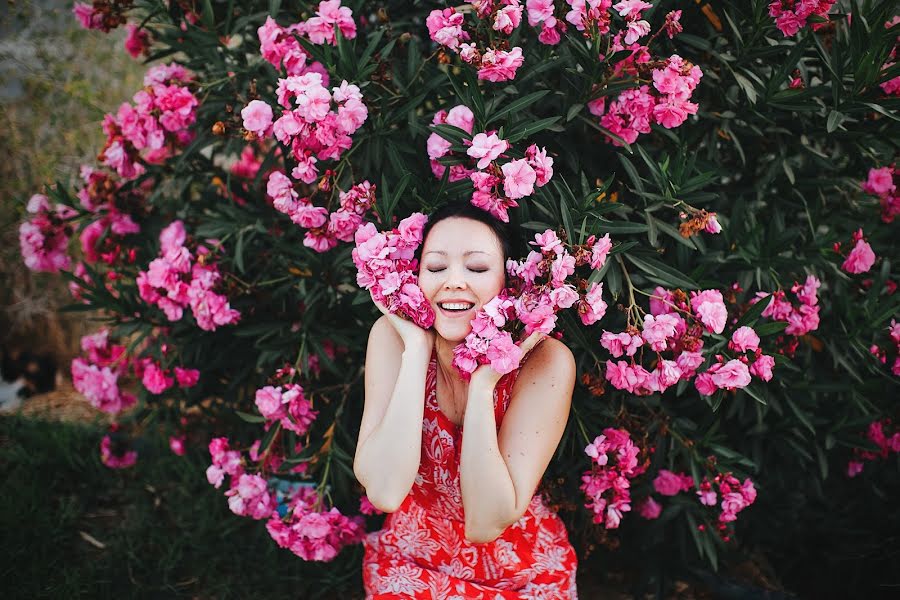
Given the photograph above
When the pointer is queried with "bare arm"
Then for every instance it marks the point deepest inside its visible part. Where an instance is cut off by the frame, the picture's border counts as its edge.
(390, 436)
(499, 472)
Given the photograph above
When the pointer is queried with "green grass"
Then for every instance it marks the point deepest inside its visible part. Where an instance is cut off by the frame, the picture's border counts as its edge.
(167, 533)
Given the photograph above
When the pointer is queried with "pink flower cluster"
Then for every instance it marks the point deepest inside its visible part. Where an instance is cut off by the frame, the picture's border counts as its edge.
(881, 353)
(885, 443)
(315, 124)
(735, 495)
(881, 183)
(102, 239)
(157, 379)
(305, 529)
(543, 288)
(675, 326)
(439, 148)
(102, 15)
(802, 318)
(386, 266)
(891, 87)
(666, 103)
(792, 15)
(225, 461)
(325, 229)
(178, 279)
(155, 127)
(614, 462)
(97, 378)
(445, 27)
(44, 239)
(541, 12)
(590, 14)
(497, 187)
(287, 406)
(279, 45)
(114, 457)
(861, 257)
(313, 534)
(137, 40)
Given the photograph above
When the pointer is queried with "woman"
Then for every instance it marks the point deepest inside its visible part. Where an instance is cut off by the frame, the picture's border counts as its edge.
(465, 521)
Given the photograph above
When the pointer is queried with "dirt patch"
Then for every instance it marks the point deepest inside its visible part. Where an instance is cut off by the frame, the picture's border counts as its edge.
(63, 404)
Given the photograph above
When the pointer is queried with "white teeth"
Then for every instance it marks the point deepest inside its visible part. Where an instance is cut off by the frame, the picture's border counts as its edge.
(456, 305)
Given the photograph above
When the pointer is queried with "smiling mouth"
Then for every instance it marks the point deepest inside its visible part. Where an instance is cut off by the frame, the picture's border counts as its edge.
(455, 307)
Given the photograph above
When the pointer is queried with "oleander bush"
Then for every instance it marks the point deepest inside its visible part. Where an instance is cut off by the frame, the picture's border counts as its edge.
(707, 192)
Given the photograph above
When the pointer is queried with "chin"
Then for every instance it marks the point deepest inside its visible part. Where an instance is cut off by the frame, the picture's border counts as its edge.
(454, 334)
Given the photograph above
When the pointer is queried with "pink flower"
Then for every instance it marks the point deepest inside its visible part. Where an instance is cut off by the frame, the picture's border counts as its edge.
(541, 163)
(880, 182)
(762, 367)
(657, 330)
(704, 384)
(744, 339)
(649, 508)
(631, 8)
(176, 444)
(445, 27)
(733, 374)
(621, 343)
(499, 65)
(137, 41)
(367, 508)
(636, 30)
(113, 460)
(503, 353)
(709, 306)
(186, 377)
(249, 497)
(507, 18)
(860, 259)
(599, 252)
(712, 225)
(854, 468)
(257, 118)
(320, 28)
(668, 483)
(518, 179)
(269, 403)
(155, 379)
(486, 148)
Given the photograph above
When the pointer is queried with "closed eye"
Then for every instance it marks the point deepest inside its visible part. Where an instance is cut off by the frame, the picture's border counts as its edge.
(435, 270)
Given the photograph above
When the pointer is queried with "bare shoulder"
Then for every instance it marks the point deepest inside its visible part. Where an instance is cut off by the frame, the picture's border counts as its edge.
(551, 360)
(383, 336)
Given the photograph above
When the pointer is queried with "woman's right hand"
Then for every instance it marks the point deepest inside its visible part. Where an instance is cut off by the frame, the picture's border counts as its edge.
(412, 335)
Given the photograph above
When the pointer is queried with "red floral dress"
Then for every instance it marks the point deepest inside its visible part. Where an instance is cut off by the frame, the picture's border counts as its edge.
(422, 551)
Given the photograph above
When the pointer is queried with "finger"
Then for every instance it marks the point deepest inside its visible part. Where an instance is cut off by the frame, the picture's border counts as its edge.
(381, 307)
(531, 341)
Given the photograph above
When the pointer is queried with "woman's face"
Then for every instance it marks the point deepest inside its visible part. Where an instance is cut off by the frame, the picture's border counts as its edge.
(462, 268)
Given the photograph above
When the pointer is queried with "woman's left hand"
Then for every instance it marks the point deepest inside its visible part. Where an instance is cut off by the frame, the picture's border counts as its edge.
(486, 376)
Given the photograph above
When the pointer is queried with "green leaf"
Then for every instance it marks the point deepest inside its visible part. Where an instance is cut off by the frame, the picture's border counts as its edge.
(835, 118)
(250, 418)
(527, 129)
(663, 273)
(603, 226)
(767, 329)
(753, 313)
(518, 105)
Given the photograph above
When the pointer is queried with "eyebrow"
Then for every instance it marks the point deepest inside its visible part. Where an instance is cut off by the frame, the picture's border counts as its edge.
(464, 254)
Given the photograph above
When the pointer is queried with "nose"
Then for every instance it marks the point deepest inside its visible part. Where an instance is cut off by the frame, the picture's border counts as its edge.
(456, 279)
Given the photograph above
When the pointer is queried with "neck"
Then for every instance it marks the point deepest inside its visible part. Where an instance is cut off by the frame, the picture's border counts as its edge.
(445, 369)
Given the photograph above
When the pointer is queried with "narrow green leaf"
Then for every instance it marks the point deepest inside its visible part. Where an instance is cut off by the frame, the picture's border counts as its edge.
(518, 105)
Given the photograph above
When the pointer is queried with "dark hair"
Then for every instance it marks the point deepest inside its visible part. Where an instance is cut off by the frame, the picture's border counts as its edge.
(508, 236)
